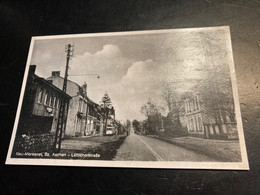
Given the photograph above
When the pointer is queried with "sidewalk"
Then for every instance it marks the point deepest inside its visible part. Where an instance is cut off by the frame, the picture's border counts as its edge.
(221, 150)
(104, 146)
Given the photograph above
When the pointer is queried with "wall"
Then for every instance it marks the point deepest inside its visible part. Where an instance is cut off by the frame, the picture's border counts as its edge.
(72, 87)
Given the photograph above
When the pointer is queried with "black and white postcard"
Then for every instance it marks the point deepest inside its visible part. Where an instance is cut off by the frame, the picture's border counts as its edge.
(141, 99)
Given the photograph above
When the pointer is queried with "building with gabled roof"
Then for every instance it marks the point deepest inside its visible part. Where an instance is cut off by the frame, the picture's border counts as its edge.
(42, 100)
(39, 114)
(84, 115)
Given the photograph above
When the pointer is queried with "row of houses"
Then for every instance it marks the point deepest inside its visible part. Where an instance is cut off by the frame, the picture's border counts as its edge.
(42, 101)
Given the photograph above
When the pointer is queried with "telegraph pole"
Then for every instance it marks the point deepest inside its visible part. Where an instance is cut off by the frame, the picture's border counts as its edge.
(69, 49)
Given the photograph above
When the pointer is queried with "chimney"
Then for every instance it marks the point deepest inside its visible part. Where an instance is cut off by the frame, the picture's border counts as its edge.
(84, 87)
(55, 73)
(32, 69)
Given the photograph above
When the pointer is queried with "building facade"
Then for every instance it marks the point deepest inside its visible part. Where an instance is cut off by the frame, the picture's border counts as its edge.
(41, 105)
(85, 117)
(193, 115)
(200, 121)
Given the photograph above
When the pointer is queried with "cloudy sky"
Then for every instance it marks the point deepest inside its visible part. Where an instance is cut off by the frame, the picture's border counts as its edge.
(133, 67)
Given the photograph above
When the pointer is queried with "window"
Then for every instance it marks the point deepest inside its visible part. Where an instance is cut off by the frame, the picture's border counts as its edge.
(95, 125)
(197, 103)
(65, 105)
(197, 124)
(54, 102)
(80, 105)
(55, 73)
(51, 100)
(58, 103)
(40, 96)
(46, 98)
(83, 106)
(190, 123)
(192, 126)
(200, 124)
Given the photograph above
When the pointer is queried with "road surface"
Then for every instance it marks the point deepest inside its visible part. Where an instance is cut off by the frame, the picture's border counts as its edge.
(143, 148)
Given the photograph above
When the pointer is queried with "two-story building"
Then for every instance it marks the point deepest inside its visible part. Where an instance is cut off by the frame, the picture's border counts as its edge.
(202, 121)
(41, 105)
(39, 115)
(84, 115)
(193, 115)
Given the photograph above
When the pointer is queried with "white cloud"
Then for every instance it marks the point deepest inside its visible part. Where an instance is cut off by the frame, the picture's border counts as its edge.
(141, 82)
(108, 62)
(142, 75)
(129, 84)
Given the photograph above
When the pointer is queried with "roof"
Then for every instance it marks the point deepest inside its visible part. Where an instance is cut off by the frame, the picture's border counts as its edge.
(91, 101)
(63, 78)
(51, 85)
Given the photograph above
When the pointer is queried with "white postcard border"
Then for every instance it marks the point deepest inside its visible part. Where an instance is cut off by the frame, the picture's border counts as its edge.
(135, 164)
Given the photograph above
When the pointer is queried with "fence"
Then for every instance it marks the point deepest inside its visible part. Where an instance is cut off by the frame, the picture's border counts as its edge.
(222, 131)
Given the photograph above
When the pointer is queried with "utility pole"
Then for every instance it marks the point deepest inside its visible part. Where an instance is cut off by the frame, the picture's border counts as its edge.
(69, 49)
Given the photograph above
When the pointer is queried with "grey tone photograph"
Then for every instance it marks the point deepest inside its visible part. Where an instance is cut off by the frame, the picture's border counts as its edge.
(22, 20)
(161, 99)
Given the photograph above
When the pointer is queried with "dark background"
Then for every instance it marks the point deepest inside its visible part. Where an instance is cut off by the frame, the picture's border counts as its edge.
(21, 20)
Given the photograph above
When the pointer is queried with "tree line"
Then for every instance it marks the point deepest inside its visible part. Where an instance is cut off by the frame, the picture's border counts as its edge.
(216, 98)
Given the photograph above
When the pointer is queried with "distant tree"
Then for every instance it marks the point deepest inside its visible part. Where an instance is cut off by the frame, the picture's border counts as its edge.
(137, 126)
(106, 104)
(172, 99)
(151, 112)
(216, 87)
(145, 126)
(169, 95)
(149, 108)
(216, 94)
(128, 126)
